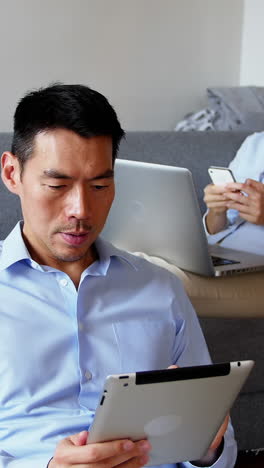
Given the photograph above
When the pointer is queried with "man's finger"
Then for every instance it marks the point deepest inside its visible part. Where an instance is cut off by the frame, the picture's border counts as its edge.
(138, 456)
(220, 434)
(79, 439)
(69, 453)
(136, 462)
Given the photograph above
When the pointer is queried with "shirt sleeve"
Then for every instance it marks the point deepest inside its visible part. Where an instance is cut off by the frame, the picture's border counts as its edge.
(229, 455)
(248, 161)
(233, 222)
(8, 461)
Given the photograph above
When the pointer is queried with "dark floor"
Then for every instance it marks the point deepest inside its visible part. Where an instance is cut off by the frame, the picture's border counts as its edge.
(250, 460)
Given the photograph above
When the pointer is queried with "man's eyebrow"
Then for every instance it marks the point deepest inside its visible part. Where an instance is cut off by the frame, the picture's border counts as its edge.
(105, 175)
(54, 174)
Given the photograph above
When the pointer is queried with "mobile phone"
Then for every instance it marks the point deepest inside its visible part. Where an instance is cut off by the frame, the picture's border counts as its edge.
(221, 175)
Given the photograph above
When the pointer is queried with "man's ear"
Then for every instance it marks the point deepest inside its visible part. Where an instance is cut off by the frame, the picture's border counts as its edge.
(10, 171)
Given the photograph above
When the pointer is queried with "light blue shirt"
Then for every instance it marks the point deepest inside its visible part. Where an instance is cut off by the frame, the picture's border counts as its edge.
(57, 344)
(247, 164)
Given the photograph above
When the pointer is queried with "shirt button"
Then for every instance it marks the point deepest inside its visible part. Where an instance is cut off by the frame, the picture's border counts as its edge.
(63, 282)
(88, 375)
(80, 326)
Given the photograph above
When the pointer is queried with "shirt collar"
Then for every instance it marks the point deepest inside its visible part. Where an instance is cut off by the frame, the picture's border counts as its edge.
(15, 250)
(107, 252)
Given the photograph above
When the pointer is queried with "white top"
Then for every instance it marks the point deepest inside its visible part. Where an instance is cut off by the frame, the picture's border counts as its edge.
(247, 164)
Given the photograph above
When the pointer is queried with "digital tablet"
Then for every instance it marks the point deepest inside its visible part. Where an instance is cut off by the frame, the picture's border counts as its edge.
(178, 410)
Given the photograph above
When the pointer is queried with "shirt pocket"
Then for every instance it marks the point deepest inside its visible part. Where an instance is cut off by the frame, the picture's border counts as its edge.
(144, 344)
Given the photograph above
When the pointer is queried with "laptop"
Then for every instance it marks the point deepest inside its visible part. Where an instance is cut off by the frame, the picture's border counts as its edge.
(156, 211)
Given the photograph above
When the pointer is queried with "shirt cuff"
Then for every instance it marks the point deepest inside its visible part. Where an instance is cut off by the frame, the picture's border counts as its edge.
(228, 456)
(9, 461)
(216, 238)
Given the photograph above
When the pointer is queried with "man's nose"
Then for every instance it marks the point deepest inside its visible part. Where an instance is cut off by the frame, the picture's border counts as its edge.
(79, 204)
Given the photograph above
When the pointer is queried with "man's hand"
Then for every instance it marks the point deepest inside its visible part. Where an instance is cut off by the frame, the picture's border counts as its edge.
(74, 452)
(215, 448)
(220, 434)
(250, 207)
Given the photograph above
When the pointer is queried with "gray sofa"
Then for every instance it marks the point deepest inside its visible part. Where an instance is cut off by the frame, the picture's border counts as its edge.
(228, 339)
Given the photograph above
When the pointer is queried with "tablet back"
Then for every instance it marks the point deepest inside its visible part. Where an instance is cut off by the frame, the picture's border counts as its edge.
(178, 410)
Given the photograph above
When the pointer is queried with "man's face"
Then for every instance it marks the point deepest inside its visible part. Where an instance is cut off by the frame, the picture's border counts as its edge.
(66, 191)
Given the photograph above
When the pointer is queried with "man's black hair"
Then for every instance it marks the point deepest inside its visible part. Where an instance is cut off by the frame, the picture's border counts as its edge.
(72, 107)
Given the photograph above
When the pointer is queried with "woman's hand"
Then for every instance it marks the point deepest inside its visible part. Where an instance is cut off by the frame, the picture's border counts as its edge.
(249, 206)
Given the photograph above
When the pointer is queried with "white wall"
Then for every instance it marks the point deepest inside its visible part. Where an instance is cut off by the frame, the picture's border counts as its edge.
(153, 59)
(252, 62)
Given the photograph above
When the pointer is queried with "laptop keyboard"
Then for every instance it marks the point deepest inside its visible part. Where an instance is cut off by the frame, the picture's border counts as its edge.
(218, 261)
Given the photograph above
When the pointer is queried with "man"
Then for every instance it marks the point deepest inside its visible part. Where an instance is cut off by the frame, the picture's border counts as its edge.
(74, 308)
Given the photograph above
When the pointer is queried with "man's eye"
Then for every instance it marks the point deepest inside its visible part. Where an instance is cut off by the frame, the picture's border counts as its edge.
(100, 187)
(56, 187)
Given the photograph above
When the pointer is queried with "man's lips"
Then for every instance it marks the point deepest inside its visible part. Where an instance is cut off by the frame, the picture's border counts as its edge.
(75, 238)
